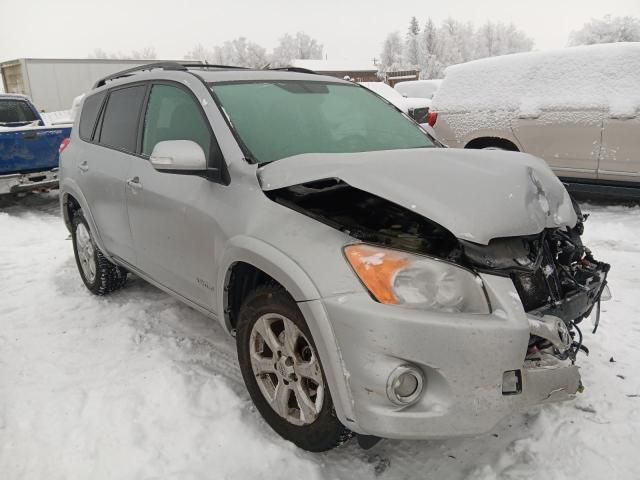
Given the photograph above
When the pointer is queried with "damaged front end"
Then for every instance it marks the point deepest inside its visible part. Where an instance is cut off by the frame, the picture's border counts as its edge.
(558, 280)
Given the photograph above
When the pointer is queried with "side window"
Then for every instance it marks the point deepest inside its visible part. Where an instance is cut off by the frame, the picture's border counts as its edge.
(90, 110)
(120, 119)
(173, 114)
(16, 111)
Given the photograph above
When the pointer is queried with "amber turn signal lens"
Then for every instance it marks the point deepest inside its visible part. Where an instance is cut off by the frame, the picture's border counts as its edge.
(376, 269)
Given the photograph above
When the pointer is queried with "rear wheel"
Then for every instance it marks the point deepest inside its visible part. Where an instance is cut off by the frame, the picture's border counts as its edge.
(99, 275)
(283, 372)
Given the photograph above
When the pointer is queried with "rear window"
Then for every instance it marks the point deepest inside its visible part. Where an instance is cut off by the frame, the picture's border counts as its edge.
(90, 110)
(16, 112)
(120, 119)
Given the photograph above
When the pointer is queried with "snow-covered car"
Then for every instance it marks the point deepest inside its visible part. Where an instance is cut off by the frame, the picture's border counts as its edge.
(376, 283)
(577, 108)
(418, 88)
(417, 108)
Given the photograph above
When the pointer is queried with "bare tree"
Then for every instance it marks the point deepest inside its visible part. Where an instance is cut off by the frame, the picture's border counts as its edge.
(607, 30)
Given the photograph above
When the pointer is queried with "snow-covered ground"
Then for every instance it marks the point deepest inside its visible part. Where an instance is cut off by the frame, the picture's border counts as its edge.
(139, 386)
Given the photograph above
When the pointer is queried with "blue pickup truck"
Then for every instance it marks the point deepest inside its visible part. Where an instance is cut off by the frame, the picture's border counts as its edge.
(29, 149)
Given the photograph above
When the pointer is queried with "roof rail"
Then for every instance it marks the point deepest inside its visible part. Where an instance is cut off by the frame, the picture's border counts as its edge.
(179, 66)
(294, 69)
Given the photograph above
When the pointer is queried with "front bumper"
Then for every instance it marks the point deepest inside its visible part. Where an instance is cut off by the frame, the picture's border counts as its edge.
(463, 358)
(23, 182)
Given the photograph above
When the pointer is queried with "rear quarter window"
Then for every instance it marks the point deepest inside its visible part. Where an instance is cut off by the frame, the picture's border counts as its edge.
(120, 119)
(90, 110)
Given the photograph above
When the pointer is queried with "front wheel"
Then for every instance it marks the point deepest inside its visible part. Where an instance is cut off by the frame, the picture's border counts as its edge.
(99, 275)
(283, 373)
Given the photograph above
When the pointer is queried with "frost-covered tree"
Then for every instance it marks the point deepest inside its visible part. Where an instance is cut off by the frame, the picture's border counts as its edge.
(391, 56)
(146, 53)
(429, 62)
(495, 38)
(607, 30)
(412, 43)
(456, 42)
(450, 43)
(242, 53)
(239, 52)
(200, 53)
(300, 46)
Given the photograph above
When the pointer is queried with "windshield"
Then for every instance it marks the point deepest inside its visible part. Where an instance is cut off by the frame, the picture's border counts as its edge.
(278, 119)
(15, 112)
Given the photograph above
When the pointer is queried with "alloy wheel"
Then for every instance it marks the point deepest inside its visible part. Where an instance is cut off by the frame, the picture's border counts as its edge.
(86, 252)
(287, 369)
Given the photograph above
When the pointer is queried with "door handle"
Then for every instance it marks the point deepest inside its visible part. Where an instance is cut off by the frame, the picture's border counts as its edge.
(30, 136)
(84, 166)
(134, 183)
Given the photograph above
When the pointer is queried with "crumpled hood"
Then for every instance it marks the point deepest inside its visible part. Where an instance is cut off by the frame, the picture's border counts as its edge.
(477, 195)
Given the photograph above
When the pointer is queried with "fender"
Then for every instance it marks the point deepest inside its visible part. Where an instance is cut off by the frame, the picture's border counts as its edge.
(294, 279)
(68, 186)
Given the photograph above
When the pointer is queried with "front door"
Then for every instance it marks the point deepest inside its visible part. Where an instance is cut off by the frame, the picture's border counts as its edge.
(171, 215)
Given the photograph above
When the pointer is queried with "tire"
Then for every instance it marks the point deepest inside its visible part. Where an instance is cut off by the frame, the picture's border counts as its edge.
(269, 311)
(99, 275)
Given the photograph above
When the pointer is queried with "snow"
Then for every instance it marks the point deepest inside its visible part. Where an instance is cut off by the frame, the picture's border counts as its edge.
(58, 118)
(418, 88)
(387, 92)
(138, 386)
(587, 77)
(393, 96)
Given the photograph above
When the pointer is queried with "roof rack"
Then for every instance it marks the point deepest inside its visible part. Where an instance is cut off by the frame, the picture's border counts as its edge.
(294, 69)
(175, 66)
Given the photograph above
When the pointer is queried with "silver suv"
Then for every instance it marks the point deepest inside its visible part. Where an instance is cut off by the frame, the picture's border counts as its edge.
(376, 283)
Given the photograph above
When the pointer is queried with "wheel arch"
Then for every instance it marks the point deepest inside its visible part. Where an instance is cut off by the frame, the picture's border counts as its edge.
(263, 259)
(491, 141)
(71, 198)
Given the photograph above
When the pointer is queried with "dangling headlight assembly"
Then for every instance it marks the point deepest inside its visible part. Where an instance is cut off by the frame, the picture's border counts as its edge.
(413, 281)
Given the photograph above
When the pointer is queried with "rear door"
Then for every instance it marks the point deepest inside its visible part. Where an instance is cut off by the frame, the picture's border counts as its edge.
(568, 139)
(620, 154)
(105, 164)
(172, 215)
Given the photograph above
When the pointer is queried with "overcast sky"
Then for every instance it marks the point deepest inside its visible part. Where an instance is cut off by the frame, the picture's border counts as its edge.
(348, 29)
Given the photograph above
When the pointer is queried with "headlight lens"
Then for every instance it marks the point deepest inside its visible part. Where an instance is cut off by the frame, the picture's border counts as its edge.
(413, 281)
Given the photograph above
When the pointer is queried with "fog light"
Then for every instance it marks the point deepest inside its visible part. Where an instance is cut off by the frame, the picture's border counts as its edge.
(404, 385)
(511, 382)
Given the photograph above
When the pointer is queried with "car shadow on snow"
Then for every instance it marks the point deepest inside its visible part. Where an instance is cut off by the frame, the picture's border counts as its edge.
(19, 204)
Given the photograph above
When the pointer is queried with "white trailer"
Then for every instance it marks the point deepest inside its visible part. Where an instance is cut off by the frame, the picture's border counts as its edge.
(53, 83)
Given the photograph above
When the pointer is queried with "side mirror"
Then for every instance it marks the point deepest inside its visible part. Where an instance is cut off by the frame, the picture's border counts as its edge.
(179, 156)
